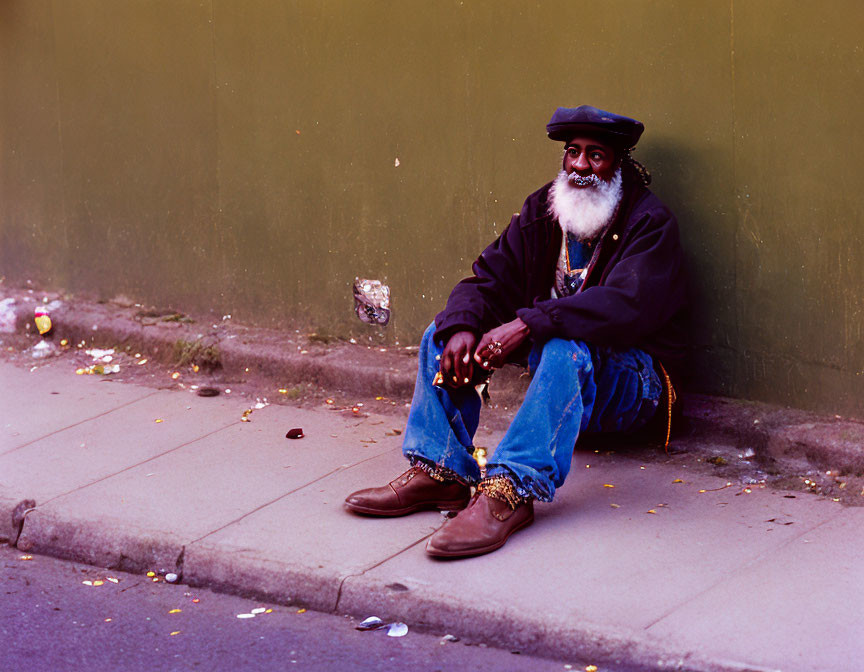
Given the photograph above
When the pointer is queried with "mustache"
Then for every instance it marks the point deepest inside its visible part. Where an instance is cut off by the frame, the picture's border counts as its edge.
(583, 181)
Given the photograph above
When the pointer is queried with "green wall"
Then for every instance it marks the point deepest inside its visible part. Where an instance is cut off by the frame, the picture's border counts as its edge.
(239, 156)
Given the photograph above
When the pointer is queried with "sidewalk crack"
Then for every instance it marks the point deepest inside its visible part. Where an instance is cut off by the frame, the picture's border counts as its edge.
(138, 464)
(287, 494)
(737, 570)
(378, 564)
(19, 515)
(80, 422)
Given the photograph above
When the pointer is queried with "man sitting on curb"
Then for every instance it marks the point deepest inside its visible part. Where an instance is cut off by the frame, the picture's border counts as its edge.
(588, 282)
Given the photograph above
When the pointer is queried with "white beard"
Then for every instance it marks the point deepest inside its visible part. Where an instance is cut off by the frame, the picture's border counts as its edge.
(584, 212)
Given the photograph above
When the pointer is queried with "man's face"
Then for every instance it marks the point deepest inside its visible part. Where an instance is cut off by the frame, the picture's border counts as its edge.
(587, 160)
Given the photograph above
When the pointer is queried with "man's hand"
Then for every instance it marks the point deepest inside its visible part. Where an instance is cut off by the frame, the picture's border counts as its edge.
(456, 365)
(499, 343)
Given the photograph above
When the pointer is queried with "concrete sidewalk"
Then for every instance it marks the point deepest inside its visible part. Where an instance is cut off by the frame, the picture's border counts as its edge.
(671, 568)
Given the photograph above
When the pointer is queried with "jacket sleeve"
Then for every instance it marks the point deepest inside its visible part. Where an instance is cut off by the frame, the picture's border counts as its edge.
(490, 297)
(638, 296)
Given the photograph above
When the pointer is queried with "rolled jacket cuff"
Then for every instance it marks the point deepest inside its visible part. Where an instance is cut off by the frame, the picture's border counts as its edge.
(541, 326)
(448, 324)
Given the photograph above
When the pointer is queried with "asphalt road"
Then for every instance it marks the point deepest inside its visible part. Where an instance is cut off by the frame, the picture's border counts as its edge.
(51, 620)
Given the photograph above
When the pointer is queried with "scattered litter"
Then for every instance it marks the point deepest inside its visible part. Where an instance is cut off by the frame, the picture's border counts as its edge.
(176, 632)
(99, 355)
(43, 349)
(208, 392)
(259, 610)
(608, 485)
(7, 316)
(449, 638)
(158, 420)
(99, 370)
(171, 577)
(26, 557)
(245, 615)
(396, 629)
(372, 301)
(722, 487)
(480, 456)
(113, 580)
(175, 611)
(175, 375)
(295, 433)
(615, 506)
(678, 480)
(394, 432)
(301, 611)
(396, 162)
(245, 416)
(651, 511)
(371, 623)
(43, 320)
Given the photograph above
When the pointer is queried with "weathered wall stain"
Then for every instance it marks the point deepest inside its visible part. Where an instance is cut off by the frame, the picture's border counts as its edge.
(240, 157)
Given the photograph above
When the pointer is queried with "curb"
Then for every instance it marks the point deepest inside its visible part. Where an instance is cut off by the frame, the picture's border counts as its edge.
(102, 544)
(781, 437)
(783, 440)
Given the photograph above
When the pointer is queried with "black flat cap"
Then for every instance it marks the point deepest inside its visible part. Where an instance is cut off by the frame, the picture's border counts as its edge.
(619, 131)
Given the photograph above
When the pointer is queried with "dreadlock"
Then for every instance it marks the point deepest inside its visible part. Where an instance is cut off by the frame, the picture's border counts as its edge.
(641, 170)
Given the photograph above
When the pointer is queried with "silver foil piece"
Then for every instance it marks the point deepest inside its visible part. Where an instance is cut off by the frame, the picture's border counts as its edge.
(372, 301)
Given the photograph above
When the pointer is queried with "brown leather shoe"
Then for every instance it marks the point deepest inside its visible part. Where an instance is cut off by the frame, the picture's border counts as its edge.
(415, 490)
(484, 526)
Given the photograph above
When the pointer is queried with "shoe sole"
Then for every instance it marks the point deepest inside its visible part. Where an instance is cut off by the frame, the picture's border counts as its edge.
(395, 513)
(438, 553)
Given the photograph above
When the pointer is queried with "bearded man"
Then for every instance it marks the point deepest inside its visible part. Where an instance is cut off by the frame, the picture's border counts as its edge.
(587, 283)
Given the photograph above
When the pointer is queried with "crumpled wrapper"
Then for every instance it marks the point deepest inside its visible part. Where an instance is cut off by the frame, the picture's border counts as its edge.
(372, 301)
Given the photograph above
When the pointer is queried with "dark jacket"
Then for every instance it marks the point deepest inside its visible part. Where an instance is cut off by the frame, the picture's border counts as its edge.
(634, 294)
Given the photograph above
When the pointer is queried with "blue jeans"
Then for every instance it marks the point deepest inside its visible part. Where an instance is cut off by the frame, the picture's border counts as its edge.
(575, 387)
